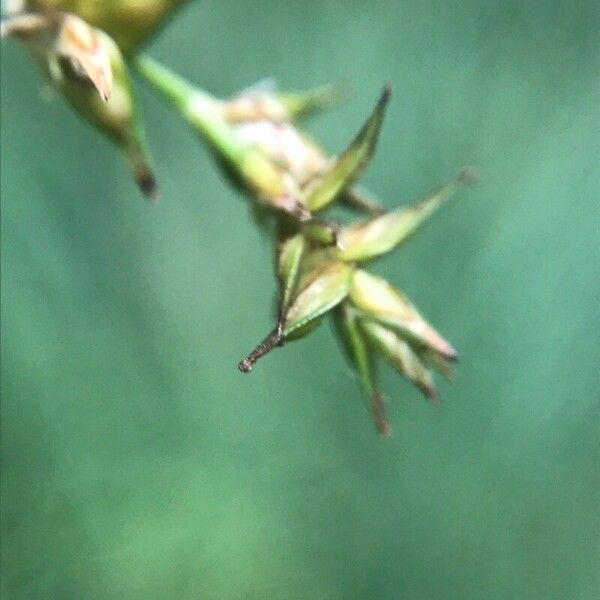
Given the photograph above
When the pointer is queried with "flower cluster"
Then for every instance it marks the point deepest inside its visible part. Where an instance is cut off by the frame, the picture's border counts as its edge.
(256, 138)
(81, 47)
(319, 263)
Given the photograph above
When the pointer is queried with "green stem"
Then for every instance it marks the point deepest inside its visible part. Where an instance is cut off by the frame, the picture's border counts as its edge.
(175, 89)
(199, 108)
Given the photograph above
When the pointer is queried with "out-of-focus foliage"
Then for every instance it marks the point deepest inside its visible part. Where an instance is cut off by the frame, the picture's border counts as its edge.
(128, 22)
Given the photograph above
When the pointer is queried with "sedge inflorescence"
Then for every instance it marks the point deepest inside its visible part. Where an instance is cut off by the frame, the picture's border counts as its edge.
(321, 265)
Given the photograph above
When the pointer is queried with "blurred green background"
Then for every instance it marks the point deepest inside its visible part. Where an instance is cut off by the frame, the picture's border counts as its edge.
(137, 462)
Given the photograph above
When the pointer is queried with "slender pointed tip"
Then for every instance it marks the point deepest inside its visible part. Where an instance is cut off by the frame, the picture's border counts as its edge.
(385, 96)
(384, 429)
(444, 349)
(301, 104)
(273, 340)
(433, 396)
(468, 176)
(147, 183)
(379, 417)
(245, 366)
(430, 392)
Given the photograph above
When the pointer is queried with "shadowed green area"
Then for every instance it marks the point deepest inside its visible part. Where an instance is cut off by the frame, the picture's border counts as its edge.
(137, 462)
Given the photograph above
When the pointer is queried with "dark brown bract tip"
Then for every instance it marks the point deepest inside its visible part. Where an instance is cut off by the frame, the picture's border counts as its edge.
(147, 183)
(385, 96)
(274, 340)
(245, 365)
(469, 176)
(379, 417)
(431, 393)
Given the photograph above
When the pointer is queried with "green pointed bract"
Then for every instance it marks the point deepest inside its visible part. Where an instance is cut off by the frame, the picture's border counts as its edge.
(320, 291)
(290, 253)
(261, 157)
(128, 22)
(368, 240)
(377, 299)
(345, 169)
(298, 105)
(355, 344)
(400, 355)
